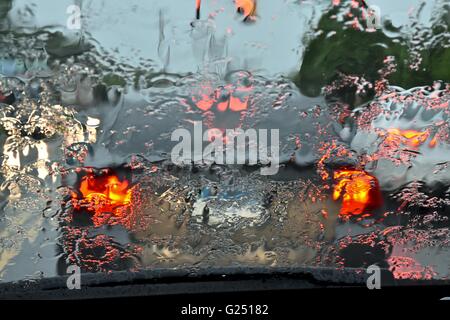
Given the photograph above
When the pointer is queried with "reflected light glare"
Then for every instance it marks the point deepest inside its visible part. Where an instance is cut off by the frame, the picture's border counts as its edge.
(359, 191)
(103, 193)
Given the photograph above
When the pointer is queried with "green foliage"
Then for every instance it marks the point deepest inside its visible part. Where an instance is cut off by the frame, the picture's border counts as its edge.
(113, 79)
(360, 53)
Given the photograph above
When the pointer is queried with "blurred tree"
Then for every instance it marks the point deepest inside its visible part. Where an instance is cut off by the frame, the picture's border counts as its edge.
(5, 6)
(338, 48)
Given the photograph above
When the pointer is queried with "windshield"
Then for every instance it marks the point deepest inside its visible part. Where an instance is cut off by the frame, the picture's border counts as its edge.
(143, 135)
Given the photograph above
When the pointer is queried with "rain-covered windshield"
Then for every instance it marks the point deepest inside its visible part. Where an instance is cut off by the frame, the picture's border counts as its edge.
(137, 135)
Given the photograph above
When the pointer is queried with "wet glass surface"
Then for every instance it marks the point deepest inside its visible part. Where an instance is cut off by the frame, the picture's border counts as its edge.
(87, 115)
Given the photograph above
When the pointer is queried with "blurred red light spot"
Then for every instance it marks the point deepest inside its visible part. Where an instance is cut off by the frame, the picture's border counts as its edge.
(101, 194)
(359, 191)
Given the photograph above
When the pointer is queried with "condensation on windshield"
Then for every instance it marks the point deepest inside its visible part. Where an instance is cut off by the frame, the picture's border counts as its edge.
(89, 106)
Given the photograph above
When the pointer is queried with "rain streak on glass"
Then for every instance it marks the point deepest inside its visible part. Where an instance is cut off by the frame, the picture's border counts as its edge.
(87, 115)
